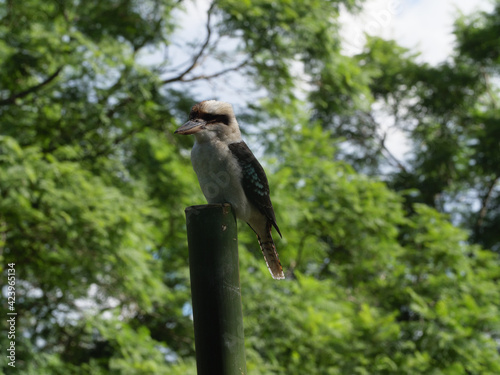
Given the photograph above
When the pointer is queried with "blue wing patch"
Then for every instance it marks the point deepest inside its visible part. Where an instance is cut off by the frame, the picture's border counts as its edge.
(254, 181)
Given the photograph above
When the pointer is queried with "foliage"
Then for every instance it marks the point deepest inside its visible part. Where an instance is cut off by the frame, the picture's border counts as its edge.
(93, 185)
(377, 292)
(449, 115)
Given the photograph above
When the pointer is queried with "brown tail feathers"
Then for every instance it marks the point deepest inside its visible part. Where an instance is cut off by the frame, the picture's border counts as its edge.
(271, 256)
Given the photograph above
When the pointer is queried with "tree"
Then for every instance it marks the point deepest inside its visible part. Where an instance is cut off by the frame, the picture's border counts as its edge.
(448, 113)
(93, 185)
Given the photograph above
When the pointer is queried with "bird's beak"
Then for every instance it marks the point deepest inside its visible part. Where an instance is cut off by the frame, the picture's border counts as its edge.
(191, 127)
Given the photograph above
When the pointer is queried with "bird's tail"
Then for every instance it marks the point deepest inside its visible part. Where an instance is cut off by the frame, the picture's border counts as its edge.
(271, 255)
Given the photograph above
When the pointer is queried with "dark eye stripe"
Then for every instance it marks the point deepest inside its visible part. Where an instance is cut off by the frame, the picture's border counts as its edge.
(215, 118)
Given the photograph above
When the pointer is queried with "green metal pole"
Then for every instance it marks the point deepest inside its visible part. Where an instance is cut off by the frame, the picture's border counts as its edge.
(215, 289)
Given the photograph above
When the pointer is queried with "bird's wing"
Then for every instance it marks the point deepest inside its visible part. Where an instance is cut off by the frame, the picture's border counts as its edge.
(254, 181)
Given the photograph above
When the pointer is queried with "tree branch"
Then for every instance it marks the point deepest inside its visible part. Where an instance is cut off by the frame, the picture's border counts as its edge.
(391, 155)
(196, 58)
(214, 75)
(489, 90)
(383, 147)
(484, 205)
(22, 94)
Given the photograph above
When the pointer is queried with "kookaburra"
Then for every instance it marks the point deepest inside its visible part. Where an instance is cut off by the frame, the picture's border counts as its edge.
(228, 172)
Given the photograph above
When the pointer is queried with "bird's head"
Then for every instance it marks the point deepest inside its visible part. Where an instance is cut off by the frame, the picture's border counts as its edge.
(211, 120)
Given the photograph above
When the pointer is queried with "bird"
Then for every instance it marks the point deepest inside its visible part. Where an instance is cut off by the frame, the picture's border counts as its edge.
(228, 172)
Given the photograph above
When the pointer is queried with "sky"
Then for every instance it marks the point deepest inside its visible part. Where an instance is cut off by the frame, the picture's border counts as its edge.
(428, 25)
(424, 25)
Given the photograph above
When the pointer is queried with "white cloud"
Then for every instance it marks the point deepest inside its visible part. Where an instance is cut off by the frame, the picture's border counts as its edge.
(428, 25)
(422, 25)
(376, 18)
